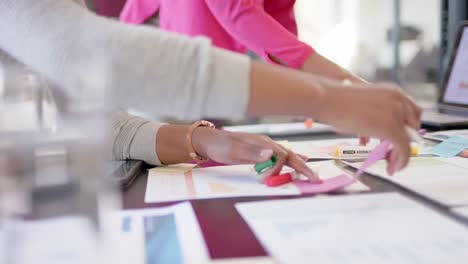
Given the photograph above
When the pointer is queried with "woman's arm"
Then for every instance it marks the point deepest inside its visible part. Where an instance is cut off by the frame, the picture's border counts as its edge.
(271, 32)
(163, 144)
(159, 72)
(370, 110)
(319, 65)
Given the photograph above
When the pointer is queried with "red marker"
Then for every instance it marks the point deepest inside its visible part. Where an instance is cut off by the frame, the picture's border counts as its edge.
(278, 180)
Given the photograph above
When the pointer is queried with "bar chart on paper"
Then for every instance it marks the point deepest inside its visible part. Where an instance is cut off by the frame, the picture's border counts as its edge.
(151, 236)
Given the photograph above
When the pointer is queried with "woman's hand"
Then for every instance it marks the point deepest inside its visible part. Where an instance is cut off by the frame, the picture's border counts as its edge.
(242, 148)
(374, 110)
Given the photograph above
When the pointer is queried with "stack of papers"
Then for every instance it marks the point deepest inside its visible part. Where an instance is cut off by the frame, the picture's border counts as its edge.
(441, 179)
(225, 181)
(378, 228)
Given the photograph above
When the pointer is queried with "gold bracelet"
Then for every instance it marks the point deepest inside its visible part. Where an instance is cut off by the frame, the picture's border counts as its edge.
(192, 153)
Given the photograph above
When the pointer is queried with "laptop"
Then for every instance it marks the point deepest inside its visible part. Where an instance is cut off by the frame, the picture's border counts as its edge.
(452, 110)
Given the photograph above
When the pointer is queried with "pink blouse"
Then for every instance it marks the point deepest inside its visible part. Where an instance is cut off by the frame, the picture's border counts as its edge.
(267, 27)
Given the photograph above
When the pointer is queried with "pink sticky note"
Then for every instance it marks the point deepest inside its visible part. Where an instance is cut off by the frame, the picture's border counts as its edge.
(341, 181)
(378, 153)
(327, 185)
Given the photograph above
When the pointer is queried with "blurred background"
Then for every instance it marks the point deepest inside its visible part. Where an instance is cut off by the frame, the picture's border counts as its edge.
(357, 34)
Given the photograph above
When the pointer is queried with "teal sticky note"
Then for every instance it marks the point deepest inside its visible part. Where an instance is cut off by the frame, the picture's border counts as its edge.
(450, 147)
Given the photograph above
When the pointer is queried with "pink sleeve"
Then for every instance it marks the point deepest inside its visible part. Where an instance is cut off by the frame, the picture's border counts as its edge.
(137, 11)
(248, 23)
(283, 12)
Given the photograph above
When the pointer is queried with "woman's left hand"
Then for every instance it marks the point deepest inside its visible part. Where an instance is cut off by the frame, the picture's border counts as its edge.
(243, 148)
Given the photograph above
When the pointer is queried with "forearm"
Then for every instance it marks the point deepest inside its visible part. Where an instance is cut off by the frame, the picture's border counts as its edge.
(319, 65)
(276, 90)
(171, 144)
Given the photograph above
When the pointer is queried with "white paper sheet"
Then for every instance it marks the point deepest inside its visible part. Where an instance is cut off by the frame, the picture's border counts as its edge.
(53, 241)
(163, 235)
(281, 129)
(441, 179)
(461, 211)
(225, 181)
(373, 228)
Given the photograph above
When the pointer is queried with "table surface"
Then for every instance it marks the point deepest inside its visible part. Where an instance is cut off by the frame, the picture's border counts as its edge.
(225, 232)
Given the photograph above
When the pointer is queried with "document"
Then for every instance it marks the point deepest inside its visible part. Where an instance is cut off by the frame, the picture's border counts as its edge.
(441, 179)
(463, 211)
(70, 239)
(367, 228)
(228, 181)
(163, 235)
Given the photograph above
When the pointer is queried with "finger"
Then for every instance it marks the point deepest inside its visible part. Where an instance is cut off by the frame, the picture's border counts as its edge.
(303, 157)
(400, 140)
(281, 159)
(363, 141)
(400, 153)
(464, 154)
(416, 108)
(300, 166)
(411, 116)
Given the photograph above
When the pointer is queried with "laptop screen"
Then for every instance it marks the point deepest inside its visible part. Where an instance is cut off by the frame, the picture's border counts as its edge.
(456, 90)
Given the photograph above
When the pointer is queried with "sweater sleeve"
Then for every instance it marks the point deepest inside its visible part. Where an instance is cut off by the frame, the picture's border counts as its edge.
(283, 12)
(247, 21)
(157, 72)
(134, 138)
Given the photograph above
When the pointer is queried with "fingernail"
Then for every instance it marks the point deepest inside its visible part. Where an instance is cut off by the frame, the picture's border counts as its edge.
(266, 153)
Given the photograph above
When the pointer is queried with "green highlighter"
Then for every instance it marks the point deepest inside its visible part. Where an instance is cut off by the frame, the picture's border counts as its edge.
(261, 167)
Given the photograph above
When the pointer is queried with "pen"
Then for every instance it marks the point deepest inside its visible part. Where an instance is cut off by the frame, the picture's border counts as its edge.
(361, 151)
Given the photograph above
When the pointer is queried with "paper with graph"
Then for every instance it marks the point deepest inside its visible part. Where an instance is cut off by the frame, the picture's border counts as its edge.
(226, 181)
(163, 235)
(367, 228)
